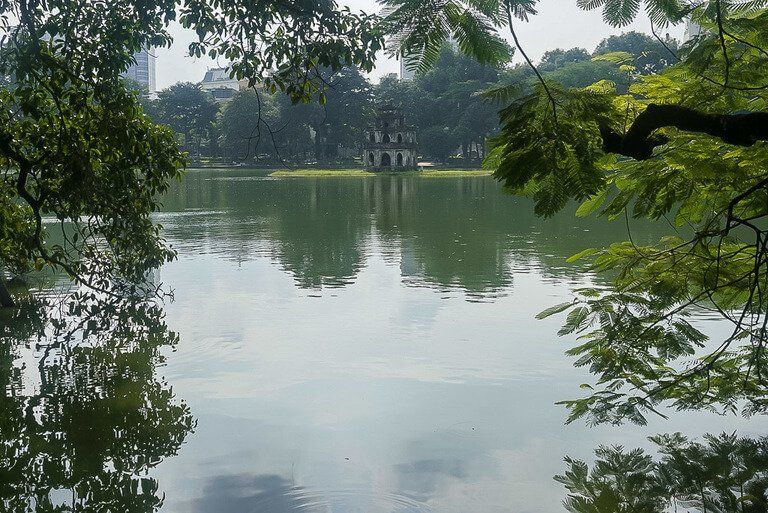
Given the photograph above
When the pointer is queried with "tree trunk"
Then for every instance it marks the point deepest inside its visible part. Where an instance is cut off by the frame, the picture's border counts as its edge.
(6, 301)
(319, 145)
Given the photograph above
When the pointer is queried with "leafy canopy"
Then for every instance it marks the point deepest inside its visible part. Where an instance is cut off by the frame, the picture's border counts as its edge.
(639, 337)
(79, 157)
(189, 111)
(684, 145)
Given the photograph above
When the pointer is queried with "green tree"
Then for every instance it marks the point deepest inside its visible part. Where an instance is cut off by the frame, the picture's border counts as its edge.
(293, 140)
(75, 145)
(342, 119)
(652, 55)
(686, 145)
(454, 84)
(584, 73)
(247, 125)
(553, 59)
(190, 112)
(446, 102)
(438, 142)
(256, 122)
(445, 105)
(404, 94)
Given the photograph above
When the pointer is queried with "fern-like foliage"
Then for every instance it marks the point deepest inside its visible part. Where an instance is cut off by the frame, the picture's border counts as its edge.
(637, 337)
(552, 156)
(417, 29)
(557, 145)
(723, 473)
(620, 482)
(620, 13)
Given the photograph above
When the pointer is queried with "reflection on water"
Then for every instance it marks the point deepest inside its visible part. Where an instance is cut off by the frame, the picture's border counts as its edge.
(721, 474)
(273, 493)
(443, 233)
(345, 345)
(369, 345)
(84, 417)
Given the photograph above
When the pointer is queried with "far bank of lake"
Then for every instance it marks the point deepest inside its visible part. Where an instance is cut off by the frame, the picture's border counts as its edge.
(352, 172)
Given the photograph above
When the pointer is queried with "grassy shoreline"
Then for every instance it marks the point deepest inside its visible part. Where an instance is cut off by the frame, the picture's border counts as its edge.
(357, 173)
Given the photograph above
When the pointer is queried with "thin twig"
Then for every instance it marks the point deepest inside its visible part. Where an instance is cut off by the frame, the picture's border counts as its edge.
(532, 66)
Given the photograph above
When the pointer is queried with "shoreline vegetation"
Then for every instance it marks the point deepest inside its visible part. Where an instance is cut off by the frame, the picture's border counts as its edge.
(334, 173)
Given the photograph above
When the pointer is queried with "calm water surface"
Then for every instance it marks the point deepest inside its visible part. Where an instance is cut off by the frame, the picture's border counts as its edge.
(369, 346)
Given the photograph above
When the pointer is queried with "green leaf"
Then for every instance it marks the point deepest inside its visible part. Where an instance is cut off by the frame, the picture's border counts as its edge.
(582, 254)
(552, 310)
(592, 204)
(574, 320)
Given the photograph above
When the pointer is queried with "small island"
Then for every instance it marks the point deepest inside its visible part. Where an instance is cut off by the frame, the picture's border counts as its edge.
(358, 173)
(389, 148)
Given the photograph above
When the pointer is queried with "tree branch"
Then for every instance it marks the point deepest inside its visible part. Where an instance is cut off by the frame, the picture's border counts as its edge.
(740, 129)
(531, 65)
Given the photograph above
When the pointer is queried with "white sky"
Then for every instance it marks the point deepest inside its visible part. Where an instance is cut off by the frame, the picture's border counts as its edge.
(559, 24)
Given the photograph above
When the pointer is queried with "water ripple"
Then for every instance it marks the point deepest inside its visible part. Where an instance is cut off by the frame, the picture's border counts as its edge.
(300, 499)
(271, 493)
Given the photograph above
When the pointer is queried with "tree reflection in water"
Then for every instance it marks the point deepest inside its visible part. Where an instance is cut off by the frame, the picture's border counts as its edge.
(84, 416)
(456, 233)
(722, 474)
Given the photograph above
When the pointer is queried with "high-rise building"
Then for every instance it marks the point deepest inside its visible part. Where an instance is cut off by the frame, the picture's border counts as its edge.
(143, 71)
(692, 30)
(405, 72)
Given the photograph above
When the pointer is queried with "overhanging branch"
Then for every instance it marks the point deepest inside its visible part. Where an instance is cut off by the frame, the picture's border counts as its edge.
(740, 129)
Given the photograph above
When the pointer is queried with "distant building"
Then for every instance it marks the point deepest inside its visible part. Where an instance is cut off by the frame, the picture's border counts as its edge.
(405, 72)
(390, 143)
(692, 30)
(143, 71)
(222, 87)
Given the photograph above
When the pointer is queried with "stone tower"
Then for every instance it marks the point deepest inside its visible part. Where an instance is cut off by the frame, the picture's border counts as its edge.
(390, 144)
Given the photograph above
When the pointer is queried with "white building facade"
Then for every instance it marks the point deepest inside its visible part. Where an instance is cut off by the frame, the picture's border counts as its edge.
(143, 71)
(222, 87)
(692, 30)
(406, 73)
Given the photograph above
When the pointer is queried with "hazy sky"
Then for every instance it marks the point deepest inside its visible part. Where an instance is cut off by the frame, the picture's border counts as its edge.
(559, 24)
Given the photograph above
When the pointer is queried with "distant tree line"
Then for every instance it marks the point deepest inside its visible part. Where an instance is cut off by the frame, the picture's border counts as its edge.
(450, 105)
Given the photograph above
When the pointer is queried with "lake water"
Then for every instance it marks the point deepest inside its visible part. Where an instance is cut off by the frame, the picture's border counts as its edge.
(368, 345)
